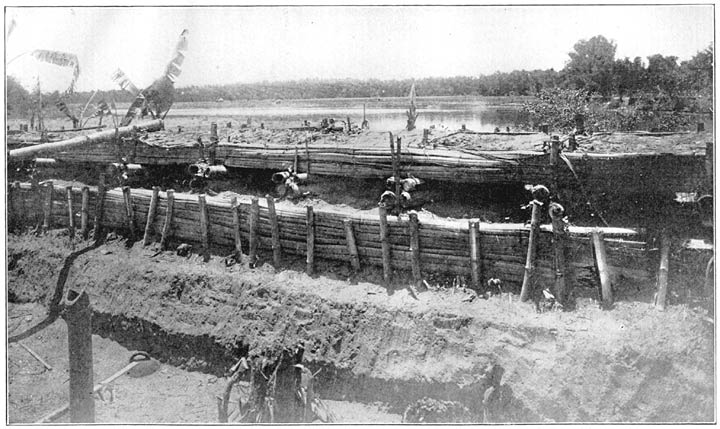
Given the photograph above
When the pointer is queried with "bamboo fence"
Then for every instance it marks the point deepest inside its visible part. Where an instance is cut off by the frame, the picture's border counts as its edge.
(426, 245)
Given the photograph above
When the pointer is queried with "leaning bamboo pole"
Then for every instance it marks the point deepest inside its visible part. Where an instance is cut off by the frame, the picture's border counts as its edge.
(602, 268)
(528, 279)
(662, 279)
(99, 137)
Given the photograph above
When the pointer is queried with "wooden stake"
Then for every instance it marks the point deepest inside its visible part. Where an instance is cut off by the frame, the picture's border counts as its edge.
(78, 315)
(71, 213)
(473, 227)
(709, 163)
(352, 247)
(12, 205)
(602, 267)
(275, 231)
(47, 205)
(129, 212)
(254, 220)
(37, 201)
(387, 269)
(310, 269)
(559, 235)
(396, 172)
(528, 278)
(99, 209)
(204, 226)
(84, 212)
(236, 228)
(415, 247)
(663, 271)
(167, 230)
(152, 211)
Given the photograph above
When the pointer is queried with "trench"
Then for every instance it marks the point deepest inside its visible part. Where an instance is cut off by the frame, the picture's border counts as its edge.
(209, 355)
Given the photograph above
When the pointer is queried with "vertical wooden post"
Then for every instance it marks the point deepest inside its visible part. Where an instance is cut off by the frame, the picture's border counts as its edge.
(167, 226)
(78, 317)
(204, 227)
(663, 271)
(385, 243)
(11, 205)
(310, 269)
(396, 174)
(556, 212)
(415, 247)
(71, 212)
(602, 267)
(529, 276)
(84, 212)
(253, 225)
(351, 245)
(99, 209)
(709, 163)
(275, 231)
(307, 154)
(236, 228)
(37, 201)
(398, 188)
(129, 212)
(47, 205)
(152, 211)
(473, 227)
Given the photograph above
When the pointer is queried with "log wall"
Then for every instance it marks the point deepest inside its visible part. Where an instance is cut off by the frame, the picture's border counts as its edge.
(623, 172)
(444, 245)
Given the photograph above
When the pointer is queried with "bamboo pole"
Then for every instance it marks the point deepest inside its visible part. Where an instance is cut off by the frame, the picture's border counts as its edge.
(528, 278)
(274, 231)
(129, 212)
(99, 209)
(84, 212)
(236, 228)
(12, 205)
(167, 226)
(204, 226)
(310, 269)
(37, 201)
(385, 244)
(47, 205)
(415, 247)
(152, 211)
(254, 220)
(99, 137)
(556, 212)
(78, 316)
(603, 268)
(351, 245)
(663, 271)
(71, 213)
(709, 163)
(474, 257)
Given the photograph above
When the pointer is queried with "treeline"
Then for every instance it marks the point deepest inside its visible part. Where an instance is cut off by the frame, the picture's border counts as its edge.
(592, 67)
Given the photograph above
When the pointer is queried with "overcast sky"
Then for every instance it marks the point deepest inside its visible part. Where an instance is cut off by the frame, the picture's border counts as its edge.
(250, 44)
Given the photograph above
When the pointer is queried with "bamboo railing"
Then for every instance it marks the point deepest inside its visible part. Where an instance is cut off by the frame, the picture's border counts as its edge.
(426, 245)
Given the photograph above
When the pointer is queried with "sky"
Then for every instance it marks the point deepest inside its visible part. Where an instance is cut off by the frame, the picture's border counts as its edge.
(252, 44)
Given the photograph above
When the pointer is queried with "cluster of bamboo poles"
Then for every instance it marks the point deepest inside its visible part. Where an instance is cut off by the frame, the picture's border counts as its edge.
(250, 225)
(623, 172)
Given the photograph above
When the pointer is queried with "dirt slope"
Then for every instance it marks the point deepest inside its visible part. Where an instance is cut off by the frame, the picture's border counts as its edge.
(632, 363)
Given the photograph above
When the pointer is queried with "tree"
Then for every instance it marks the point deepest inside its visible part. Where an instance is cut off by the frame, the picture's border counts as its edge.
(17, 98)
(591, 65)
(662, 74)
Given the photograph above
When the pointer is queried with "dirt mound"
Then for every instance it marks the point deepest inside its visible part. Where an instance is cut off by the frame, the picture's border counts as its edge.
(497, 358)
